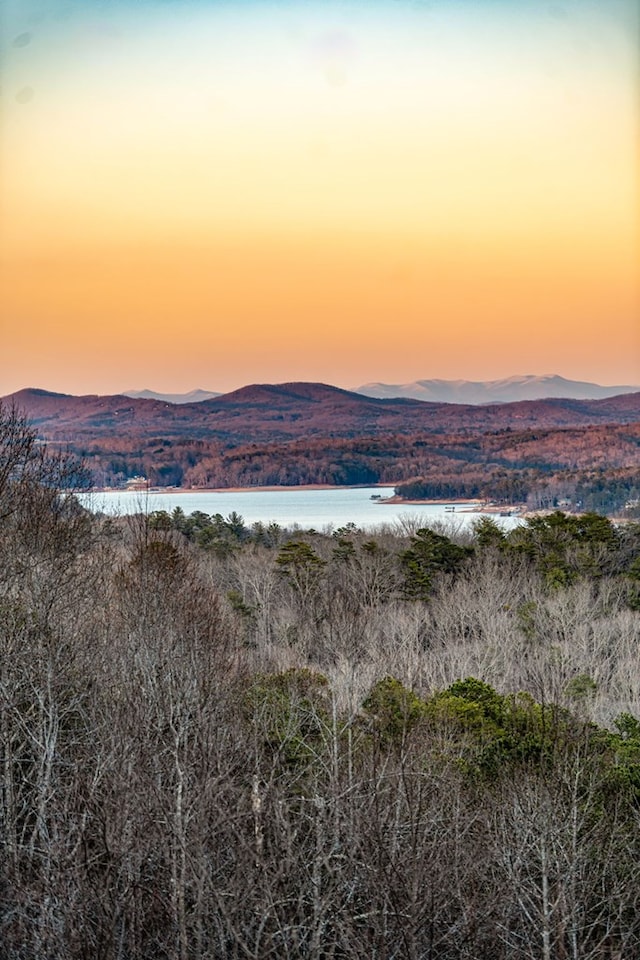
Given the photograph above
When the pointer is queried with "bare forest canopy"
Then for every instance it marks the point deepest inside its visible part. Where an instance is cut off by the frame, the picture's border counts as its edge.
(584, 452)
(222, 741)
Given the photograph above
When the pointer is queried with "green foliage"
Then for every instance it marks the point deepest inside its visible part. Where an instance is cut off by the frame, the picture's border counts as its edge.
(302, 567)
(372, 548)
(526, 614)
(491, 733)
(620, 752)
(430, 554)
(482, 695)
(628, 727)
(179, 520)
(344, 550)
(564, 547)
(488, 533)
(213, 533)
(348, 530)
(393, 710)
(298, 554)
(238, 604)
(266, 534)
(581, 687)
(160, 520)
(236, 526)
(289, 711)
(633, 586)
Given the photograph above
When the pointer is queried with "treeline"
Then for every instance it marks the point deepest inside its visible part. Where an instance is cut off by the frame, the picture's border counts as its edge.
(230, 741)
(502, 465)
(604, 490)
(560, 547)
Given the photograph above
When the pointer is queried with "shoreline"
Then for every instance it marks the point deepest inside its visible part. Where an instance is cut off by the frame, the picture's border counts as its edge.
(467, 506)
(436, 500)
(275, 488)
(281, 488)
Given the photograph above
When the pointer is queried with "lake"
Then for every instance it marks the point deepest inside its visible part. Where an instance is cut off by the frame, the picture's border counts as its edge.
(290, 507)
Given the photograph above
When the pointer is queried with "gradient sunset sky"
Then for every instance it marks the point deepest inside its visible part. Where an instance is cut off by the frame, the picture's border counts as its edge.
(209, 194)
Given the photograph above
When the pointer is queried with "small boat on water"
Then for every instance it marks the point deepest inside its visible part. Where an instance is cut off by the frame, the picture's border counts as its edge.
(449, 509)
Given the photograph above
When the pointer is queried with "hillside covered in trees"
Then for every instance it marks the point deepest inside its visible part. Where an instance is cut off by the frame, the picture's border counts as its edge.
(540, 452)
(227, 741)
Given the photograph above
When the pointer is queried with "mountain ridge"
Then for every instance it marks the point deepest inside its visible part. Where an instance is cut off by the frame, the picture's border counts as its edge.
(505, 390)
(193, 396)
(513, 389)
(279, 412)
(299, 432)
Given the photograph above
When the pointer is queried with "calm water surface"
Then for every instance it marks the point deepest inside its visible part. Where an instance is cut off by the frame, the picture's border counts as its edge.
(291, 507)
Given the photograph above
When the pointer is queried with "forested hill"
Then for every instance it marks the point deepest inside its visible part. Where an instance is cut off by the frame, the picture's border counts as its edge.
(298, 433)
(276, 412)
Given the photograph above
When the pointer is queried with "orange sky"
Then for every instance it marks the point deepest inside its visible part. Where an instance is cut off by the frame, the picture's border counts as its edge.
(210, 195)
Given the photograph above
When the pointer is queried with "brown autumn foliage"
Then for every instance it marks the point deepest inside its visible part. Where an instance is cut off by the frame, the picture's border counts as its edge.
(310, 433)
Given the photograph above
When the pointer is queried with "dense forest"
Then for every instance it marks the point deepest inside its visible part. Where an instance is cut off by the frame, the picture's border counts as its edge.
(594, 467)
(583, 454)
(223, 741)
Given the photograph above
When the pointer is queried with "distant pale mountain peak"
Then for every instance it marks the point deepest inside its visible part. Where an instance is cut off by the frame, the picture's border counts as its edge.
(194, 396)
(506, 390)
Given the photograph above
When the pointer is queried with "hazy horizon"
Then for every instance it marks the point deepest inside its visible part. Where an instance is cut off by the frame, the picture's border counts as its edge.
(214, 194)
(352, 387)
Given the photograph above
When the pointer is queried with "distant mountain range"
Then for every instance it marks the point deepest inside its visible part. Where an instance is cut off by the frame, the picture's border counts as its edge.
(194, 396)
(475, 392)
(288, 411)
(508, 390)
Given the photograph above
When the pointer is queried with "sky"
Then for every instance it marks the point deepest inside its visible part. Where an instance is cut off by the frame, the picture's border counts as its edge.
(198, 193)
